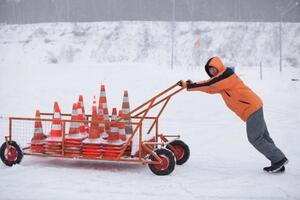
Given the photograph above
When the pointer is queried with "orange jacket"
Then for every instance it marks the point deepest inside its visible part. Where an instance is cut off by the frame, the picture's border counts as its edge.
(237, 96)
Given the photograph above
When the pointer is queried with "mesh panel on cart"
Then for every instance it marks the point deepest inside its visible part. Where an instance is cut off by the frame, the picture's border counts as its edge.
(23, 131)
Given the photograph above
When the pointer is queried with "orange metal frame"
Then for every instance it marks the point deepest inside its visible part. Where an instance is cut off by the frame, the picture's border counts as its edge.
(140, 114)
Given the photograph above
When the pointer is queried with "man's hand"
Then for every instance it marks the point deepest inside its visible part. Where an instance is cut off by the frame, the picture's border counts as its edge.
(184, 84)
(188, 82)
(181, 83)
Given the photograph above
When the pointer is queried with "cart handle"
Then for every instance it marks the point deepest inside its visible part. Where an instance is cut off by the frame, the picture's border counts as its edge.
(156, 97)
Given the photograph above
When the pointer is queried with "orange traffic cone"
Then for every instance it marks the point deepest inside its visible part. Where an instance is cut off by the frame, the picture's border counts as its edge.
(102, 125)
(56, 129)
(94, 131)
(91, 146)
(80, 100)
(82, 130)
(121, 126)
(114, 130)
(126, 111)
(113, 146)
(74, 126)
(54, 142)
(103, 102)
(38, 140)
(73, 142)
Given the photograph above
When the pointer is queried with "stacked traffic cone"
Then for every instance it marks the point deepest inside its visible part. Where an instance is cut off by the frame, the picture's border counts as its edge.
(54, 142)
(91, 146)
(74, 126)
(102, 125)
(126, 111)
(80, 100)
(121, 125)
(94, 131)
(128, 125)
(38, 141)
(113, 145)
(73, 141)
(114, 129)
(103, 102)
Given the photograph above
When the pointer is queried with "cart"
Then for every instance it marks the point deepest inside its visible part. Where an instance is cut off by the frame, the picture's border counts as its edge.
(161, 152)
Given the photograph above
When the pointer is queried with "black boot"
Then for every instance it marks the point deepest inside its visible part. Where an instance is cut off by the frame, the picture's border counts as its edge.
(277, 167)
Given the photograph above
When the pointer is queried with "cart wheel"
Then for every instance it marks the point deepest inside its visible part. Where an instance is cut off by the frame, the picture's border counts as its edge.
(166, 166)
(12, 154)
(182, 152)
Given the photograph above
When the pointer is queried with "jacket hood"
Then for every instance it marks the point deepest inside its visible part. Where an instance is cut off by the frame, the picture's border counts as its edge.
(215, 62)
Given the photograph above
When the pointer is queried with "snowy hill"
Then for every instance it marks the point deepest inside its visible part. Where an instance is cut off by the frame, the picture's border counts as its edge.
(239, 44)
(42, 63)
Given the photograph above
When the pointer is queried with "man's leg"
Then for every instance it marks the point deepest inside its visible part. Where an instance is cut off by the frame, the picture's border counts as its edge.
(267, 136)
(259, 137)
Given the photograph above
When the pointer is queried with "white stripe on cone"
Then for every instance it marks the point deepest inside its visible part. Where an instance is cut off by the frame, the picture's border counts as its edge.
(125, 99)
(38, 130)
(74, 125)
(101, 125)
(126, 110)
(56, 115)
(114, 129)
(56, 127)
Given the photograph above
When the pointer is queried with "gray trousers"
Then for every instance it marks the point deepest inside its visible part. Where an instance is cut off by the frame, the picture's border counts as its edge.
(259, 137)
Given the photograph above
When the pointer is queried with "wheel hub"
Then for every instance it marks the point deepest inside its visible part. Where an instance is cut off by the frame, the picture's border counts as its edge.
(11, 154)
(179, 152)
(164, 163)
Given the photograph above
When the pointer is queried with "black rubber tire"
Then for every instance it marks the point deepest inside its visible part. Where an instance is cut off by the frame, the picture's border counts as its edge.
(168, 156)
(18, 151)
(184, 147)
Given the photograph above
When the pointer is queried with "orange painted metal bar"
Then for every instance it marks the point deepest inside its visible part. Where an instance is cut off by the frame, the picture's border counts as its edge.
(10, 129)
(150, 151)
(155, 97)
(169, 96)
(63, 138)
(135, 130)
(157, 143)
(129, 160)
(62, 114)
(146, 110)
(50, 120)
(140, 141)
(158, 115)
(6, 140)
(156, 131)
(178, 136)
(138, 117)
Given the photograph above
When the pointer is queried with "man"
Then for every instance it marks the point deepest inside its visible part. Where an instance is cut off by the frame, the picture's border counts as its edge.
(246, 104)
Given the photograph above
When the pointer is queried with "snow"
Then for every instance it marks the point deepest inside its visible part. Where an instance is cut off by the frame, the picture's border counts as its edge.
(223, 165)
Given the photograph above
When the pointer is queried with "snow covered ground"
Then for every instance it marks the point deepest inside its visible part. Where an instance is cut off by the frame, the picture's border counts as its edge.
(223, 165)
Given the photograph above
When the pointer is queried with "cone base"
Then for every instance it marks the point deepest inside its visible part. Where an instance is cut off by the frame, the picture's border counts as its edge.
(37, 141)
(92, 141)
(77, 136)
(54, 140)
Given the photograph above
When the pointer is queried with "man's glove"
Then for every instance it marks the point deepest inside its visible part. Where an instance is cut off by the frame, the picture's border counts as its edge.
(189, 82)
(183, 84)
(180, 83)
